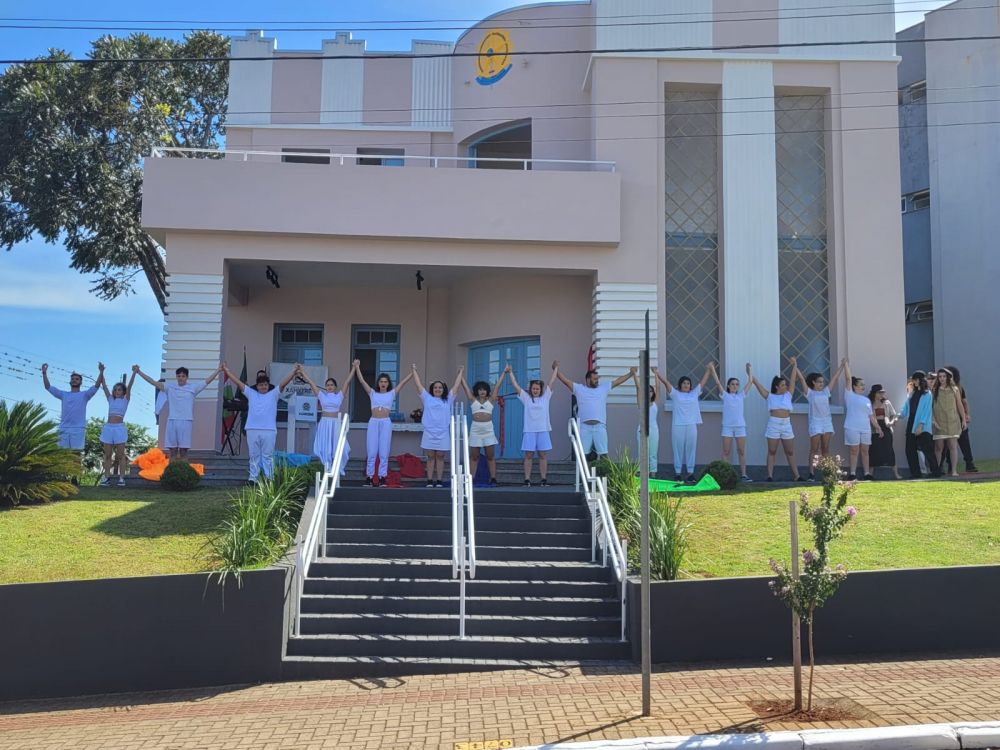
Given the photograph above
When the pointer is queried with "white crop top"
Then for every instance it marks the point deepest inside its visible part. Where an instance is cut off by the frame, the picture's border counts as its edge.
(330, 402)
(117, 407)
(783, 401)
(485, 407)
(382, 400)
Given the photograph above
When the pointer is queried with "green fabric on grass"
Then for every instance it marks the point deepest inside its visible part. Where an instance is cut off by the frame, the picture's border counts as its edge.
(706, 484)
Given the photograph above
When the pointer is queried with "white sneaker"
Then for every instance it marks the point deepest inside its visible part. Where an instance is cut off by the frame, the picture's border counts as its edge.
(746, 479)
(121, 481)
(106, 482)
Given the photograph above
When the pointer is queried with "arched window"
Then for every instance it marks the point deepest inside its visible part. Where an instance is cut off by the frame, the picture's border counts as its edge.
(509, 141)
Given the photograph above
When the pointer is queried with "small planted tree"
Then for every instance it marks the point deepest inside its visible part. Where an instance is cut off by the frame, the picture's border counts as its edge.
(818, 581)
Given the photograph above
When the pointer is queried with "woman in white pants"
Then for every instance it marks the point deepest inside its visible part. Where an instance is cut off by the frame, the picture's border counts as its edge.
(685, 420)
(734, 422)
(379, 427)
(482, 436)
(262, 417)
(779, 421)
(654, 428)
(436, 440)
(331, 399)
(859, 423)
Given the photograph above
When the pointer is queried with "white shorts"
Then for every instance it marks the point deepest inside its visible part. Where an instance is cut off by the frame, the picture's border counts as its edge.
(734, 432)
(820, 426)
(436, 440)
(114, 434)
(481, 435)
(536, 441)
(178, 433)
(857, 437)
(71, 438)
(593, 435)
(779, 428)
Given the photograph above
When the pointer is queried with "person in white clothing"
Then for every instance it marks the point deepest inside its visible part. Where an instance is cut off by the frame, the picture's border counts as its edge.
(262, 418)
(180, 402)
(482, 436)
(592, 407)
(331, 399)
(114, 433)
(817, 392)
(734, 423)
(779, 421)
(537, 436)
(379, 439)
(436, 440)
(685, 420)
(654, 428)
(73, 414)
(859, 423)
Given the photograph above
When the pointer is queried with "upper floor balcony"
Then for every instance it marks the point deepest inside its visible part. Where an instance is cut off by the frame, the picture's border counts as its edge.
(382, 196)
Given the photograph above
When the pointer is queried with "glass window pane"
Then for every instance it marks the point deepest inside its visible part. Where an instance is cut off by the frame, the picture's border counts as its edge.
(363, 337)
(316, 336)
(287, 335)
(301, 336)
(391, 337)
(376, 337)
(313, 357)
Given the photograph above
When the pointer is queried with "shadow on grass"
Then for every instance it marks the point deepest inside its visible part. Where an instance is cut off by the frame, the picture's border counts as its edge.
(166, 514)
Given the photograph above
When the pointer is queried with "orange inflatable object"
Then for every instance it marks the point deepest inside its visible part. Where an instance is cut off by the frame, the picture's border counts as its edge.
(152, 463)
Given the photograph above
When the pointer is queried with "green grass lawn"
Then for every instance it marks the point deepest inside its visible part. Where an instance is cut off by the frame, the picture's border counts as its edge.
(107, 532)
(899, 525)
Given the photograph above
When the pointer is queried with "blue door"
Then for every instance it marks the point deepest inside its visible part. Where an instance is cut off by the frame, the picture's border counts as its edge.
(486, 362)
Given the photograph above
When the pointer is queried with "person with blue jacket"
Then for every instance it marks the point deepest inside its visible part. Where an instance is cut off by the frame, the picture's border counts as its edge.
(918, 413)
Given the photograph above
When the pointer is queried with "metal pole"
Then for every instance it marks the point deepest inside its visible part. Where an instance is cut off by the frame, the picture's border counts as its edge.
(647, 661)
(793, 512)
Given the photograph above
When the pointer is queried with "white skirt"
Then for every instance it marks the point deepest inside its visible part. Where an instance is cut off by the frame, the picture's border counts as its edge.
(323, 443)
(481, 435)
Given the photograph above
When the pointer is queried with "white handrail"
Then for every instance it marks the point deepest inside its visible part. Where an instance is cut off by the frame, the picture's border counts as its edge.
(314, 544)
(603, 530)
(469, 504)
(159, 152)
(463, 521)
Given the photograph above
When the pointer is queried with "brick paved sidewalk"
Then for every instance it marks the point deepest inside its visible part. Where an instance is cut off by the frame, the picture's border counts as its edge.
(524, 707)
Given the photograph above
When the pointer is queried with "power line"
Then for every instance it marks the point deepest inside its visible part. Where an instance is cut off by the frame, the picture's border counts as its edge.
(514, 53)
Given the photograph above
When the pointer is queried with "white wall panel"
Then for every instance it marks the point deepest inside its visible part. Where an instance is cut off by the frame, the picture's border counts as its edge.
(619, 331)
(845, 21)
(250, 80)
(431, 98)
(342, 98)
(193, 327)
(629, 24)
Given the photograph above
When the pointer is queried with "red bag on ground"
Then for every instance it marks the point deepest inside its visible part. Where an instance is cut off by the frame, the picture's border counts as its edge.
(393, 479)
(411, 466)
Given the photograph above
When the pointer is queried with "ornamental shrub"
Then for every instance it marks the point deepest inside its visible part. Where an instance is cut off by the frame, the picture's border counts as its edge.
(179, 477)
(723, 473)
(668, 538)
(33, 468)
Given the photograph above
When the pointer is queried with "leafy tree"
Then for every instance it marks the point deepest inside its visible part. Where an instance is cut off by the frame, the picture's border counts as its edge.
(139, 441)
(33, 468)
(73, 137)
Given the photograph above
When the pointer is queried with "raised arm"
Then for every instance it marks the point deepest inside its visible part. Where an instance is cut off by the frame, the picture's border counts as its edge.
(836, 376)
(795, 375)
(416, 379)
(627, 376)
(666, 383)
(45, 376)
(709, 371)
(562, 378)
(468, 393)
(128, 388)
(756, 383)
(356, 371)
(229, 374)
(513, 379)
(749, 385)
(214, 375)
(297, 370)
(801, 379)
(346, 381)
(101, 381)
(404, 381)
(495, 393)
(155, 383)
(459, 379)
(715, 377)
(848, 379)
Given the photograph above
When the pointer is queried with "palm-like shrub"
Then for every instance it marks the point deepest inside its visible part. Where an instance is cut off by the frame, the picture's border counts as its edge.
(668, 537)
(33, 468)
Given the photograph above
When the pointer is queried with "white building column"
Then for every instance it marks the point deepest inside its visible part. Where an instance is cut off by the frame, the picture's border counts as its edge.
(620, 333)
(750, 310)
(193, 339)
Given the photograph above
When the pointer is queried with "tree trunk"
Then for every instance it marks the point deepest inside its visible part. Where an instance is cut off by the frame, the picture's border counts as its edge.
(155, 270)
(812, 657)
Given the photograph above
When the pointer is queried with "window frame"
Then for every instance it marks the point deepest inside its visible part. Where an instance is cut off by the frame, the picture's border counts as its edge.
(290, 155)
(279, 328)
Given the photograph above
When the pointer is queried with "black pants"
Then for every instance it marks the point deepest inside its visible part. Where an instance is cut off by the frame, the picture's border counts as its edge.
(965, 446)
(925, 444)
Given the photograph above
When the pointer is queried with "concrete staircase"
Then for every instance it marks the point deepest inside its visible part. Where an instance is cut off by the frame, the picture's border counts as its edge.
(383, 600)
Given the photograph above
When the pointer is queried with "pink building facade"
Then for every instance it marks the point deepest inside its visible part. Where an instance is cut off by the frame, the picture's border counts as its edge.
(735, 178)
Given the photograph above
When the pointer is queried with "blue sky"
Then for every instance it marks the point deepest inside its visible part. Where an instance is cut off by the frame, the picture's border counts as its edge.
(46, 310)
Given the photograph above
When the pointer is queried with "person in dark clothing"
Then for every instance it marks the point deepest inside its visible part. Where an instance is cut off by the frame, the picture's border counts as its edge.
(917, 411)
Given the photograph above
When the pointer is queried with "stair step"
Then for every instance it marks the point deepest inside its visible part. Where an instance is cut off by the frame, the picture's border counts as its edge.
(367, 521)
(448, 624)
(374, 534)
(531, 570)
(348, 667)
(564, 606)
(443, 552)
(448, 587)
(470, 647)
(492, 495)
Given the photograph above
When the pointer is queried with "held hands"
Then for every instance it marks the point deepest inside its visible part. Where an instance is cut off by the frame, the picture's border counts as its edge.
(749, 370)
(555, 364)
(100, 366)
(45, 369)
(356, 364)
(793, 361)
(508, 369)
(135, 369)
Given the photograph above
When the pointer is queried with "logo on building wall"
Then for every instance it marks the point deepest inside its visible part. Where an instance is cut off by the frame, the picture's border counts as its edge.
(494, 59)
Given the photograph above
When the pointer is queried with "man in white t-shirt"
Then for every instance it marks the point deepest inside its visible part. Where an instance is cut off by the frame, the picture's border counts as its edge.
(592, 407)
(73, 415)
(180, 405)
(262, 419)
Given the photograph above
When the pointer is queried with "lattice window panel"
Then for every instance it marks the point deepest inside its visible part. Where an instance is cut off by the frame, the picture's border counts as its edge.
(803, 261)
(692, 233)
